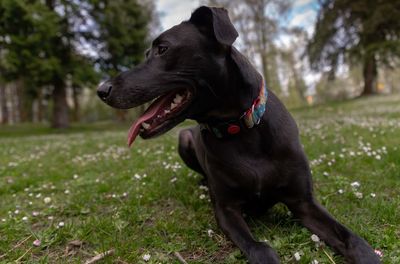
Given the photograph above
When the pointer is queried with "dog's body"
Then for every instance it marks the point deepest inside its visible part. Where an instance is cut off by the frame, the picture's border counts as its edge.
(248, 171)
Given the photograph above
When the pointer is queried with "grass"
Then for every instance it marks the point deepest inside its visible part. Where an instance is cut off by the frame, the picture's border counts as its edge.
(82, 192)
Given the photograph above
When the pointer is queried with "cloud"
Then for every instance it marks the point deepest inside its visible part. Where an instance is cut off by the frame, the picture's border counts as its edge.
(303, 19)
(299, 3)
(173, 12)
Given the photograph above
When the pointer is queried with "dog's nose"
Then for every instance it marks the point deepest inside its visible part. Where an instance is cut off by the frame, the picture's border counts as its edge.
(104, 90)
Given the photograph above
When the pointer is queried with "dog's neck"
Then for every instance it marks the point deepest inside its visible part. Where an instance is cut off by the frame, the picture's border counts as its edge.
(237, 112)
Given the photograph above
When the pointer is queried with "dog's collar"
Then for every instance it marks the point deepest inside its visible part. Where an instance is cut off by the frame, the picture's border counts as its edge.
(249, 119)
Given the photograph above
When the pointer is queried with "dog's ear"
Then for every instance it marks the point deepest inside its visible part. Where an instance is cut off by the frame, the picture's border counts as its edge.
(215, 21)
(250, 77)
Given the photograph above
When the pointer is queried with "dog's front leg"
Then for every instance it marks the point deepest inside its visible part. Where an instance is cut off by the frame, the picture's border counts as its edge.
(315, 217)
(231, 221)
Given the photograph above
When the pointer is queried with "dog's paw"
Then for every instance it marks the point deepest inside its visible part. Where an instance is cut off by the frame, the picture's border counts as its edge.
(361, 253)
(261, 253)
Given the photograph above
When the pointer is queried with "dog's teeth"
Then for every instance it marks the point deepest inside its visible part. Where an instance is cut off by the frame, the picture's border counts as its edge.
(145, 125)
(178, 99)
(173, 105)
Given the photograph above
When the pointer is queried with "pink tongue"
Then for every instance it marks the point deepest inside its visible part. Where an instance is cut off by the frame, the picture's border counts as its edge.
(148, 114)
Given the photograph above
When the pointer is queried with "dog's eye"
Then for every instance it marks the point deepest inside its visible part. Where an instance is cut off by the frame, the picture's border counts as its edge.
(161, 50)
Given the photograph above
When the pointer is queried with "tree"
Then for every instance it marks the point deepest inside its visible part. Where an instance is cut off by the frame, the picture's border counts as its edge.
(122, 34)
(26, 29)
(52, 46)
(257, 22)
(39, 51)
(356, 31)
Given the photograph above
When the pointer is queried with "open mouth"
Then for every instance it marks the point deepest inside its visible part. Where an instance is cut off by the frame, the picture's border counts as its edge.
(161, 115)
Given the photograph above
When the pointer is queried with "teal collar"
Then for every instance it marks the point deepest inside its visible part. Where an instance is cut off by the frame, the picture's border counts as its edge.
(250, 118)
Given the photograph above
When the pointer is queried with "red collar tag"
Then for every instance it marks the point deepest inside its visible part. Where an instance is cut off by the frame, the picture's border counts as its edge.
(233, 129)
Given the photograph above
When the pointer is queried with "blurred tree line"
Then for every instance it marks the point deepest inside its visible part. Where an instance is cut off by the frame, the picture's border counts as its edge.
(50, 50)
(53, 51)
(363, 34)
(357, 38)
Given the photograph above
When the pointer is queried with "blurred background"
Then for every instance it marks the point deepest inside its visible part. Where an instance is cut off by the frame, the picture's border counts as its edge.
(53, 53)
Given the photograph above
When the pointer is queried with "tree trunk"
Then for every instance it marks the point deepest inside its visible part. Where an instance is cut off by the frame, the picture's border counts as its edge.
(298, 80)
(75, 98)
(3, 103)
(43, 110)
(24, 102)
(14, 109)
(370, 75)
(60, 106)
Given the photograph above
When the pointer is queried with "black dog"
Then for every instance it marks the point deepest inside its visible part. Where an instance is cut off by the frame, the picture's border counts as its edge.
(251, 159)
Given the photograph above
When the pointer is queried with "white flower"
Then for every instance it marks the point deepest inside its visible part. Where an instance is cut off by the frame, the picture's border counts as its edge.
(340, 191)
(146, 257)
(25, 218)
(173, 180)
(61, 224)
(37, 243)
(66, 191)
(35, 213)
(47, 200)
(359, 195)
(379, 253)
(210, 232)
(373, 195)
(325, 173)
(75, 176)
(315, 238)
(137, 176)
(16, 211)
(202, 196)
(314, 261)
(355, 184)
(378, 157)
(297, 256)
(202, 187)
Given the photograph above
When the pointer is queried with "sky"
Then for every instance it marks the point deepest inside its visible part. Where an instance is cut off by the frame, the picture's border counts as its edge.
(172, 12)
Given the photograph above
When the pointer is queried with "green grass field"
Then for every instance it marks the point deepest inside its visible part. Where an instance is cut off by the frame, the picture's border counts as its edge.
(82, 192)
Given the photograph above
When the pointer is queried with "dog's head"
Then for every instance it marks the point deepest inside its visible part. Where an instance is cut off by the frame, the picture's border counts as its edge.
(183, 72)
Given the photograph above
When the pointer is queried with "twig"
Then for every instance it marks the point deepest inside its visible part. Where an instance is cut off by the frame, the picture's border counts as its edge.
(179, 257)
(100, 256)
(329, 257)
(26, 252)
(16, 246)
